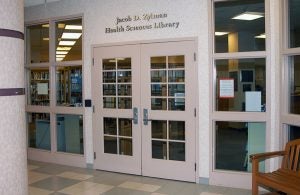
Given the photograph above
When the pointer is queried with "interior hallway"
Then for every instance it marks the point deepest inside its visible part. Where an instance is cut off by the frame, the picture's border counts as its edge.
(46, 178)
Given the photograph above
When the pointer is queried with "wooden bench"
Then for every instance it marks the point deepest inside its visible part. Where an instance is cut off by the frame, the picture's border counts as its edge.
(287, 178)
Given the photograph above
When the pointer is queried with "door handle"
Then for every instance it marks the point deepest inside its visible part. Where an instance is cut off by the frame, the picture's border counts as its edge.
(145, 116)
(135, 116)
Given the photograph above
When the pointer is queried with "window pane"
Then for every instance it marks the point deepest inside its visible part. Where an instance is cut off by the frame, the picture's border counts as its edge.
(39, 130)
(239, 26)
(38, 40)
(68, 40)
(235, 141)
(294, 84)
(69, 133)
(294, 26)
(249, 85)
(294, 132)
(69, 86)
(39, 87)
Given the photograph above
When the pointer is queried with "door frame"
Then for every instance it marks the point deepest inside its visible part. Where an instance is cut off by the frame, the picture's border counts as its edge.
(195, 40)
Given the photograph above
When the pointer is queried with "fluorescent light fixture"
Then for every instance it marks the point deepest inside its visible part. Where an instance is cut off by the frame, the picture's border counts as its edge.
(60, 56)
(63, 48)
(59, 59)
(73, 27)
(221, 33)
(261, 36)
(60, 25)
(70, 35)
(67, 43)
(114, 60)
(249, 16)
(46, 39)
(45, 25)
(61, 52)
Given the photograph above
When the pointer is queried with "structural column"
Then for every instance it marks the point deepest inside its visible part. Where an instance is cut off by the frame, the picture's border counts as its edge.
(13, 149)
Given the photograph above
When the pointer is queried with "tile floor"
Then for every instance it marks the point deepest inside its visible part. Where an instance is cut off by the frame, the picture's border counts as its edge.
(45, 178)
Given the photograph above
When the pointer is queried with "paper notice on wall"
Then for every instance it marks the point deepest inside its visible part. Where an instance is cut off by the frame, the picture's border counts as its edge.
(42, 88)
(253, 101)
(226, 88)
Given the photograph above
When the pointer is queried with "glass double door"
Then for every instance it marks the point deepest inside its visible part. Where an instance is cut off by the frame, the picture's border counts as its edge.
(144, 121)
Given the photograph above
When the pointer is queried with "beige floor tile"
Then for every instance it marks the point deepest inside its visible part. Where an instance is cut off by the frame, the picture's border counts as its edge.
(32, 167)
(208, 193)
(76, 176)
(158, 194)
(139, 186)
(35, 177)
(86, 188)
(38, 191)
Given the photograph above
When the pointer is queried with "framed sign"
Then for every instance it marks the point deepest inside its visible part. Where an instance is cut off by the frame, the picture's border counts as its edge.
(226, 88)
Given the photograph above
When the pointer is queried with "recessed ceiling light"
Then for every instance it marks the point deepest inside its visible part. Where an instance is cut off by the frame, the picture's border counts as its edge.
(61, 52)
(45, 25)
(69, 43)
(221, 33)
(60, 56)
(73, 27)
(249, 16)
(70, 35)
(46, 39)
(261, 36)
(63, 48)
(59, 59)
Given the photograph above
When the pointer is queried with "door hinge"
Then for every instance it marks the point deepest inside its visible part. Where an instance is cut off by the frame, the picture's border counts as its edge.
(195, 167)
(93, 109)
(195, 56)
(94, 155)
(195, 112)
(93, 61)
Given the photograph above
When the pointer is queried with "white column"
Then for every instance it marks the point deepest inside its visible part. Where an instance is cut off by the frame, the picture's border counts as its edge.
(13, 149)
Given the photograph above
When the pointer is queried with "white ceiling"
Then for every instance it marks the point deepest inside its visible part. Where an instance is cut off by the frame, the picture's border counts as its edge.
(28, 3)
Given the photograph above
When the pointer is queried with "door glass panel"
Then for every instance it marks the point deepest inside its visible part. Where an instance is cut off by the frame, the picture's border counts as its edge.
(159, 129)
(176, 61)
(125, 127)
(124, 63)
(177, 151)
(171, 143)
(110, 126)
(125, 146)
(109, 102)
(165, 86)
(158, 76)
(110, 145)
(177, 90)
(124, 103)
(109, 64)
(176, 75)
(158, 104)
(109, 77)
(177, 104)
(177, 130)
(120, 79)
(158, 62)
(158, 90)
(159, 149)
(124, 90)
(118, 136)
(109, 89)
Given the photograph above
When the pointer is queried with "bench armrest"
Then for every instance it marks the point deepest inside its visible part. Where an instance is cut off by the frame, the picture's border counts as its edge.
(255, 158)
(266, 155)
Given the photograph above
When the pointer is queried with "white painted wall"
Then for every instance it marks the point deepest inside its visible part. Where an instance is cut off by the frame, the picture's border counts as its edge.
(99, 14)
